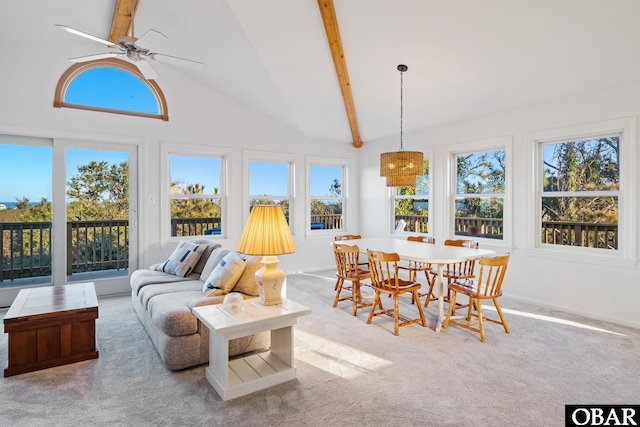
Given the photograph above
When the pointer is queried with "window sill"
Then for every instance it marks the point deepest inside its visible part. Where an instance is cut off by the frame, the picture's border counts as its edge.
(561, 254)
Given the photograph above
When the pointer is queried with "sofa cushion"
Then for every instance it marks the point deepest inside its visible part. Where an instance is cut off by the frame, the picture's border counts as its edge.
(148, 292)
(247, 282)
(171, 313)
(183, 259)
(214, 259)
(226, 274)
(141, 278)
(211, 245)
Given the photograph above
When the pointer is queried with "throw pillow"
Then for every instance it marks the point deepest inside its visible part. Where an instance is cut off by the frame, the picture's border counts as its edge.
(211, 245)
(183, 259)
(247, 282)
(225, 275)
(214, 259)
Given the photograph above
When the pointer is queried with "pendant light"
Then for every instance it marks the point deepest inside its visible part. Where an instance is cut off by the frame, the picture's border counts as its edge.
(401, 167)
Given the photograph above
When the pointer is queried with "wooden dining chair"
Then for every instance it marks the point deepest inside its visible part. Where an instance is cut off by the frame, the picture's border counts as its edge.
(488, 286)
(385, 280)
(348, 270)
(347, 237)
(341, 237)
(415, 267)
(458, 270)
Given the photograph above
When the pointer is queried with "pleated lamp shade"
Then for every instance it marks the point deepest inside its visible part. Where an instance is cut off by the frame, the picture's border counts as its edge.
(266, 232)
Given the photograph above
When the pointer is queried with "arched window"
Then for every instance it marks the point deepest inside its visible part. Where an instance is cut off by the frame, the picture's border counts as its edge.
(112, 86)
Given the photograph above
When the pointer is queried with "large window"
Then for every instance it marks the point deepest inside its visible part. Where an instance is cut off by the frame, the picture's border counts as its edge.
(67, 212)
(479, 199)
(111, 86)
(411, 205)
(584, 201)
(326, 194)
(196, 195)
(270, 184)
(580, 193)
(25, 212)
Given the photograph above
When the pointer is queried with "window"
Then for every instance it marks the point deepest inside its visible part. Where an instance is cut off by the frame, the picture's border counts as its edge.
(411, 205)
(584, 205)
(25, 210)
(580, 192)
(480, 190)
(326, 196)
(67, 211)
(269, 184)
(195, 195)
(112, 86)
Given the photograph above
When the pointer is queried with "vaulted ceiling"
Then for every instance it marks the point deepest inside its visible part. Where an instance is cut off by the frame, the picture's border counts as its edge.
(465, 57)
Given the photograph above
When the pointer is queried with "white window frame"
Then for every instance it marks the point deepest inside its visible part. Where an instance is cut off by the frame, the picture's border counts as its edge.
(625, 255)
(345, 164)
(168, 149)
(504, 143)
(265, 156)
(428, 155)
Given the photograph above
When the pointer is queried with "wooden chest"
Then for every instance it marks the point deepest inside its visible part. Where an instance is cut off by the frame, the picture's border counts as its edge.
(51, 326)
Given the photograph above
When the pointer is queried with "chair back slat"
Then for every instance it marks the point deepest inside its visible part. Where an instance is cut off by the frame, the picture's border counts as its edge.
(347, 260)
(423, 239)
(463, 269)
(347, 237)
(491, 275)
(384, 269)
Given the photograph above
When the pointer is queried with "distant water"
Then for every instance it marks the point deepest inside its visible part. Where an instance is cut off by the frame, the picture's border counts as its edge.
(12, 205)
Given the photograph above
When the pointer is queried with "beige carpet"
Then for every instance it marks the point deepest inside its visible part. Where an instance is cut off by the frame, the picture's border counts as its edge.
(349, 373)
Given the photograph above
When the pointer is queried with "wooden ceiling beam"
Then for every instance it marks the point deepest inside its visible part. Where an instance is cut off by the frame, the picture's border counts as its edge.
(330, 22)
(122, 18)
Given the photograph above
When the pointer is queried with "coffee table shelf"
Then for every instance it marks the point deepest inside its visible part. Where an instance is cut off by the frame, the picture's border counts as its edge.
(244, 375)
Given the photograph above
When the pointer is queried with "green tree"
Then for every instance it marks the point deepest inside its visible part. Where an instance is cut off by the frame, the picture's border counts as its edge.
(575, 166)
(99, 191)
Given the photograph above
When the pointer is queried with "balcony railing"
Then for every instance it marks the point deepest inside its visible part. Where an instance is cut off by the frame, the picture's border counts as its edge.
(326, 222)
(25, 249)
(604, 236)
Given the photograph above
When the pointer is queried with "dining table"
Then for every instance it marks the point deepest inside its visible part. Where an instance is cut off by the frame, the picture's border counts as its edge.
(436, 254)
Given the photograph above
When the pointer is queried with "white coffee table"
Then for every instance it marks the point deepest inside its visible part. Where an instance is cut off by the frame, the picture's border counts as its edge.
(237, 377)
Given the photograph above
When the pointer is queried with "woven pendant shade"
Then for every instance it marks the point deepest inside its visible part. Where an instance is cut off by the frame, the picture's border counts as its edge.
(401, 163)
(401, 167)
(401, 181)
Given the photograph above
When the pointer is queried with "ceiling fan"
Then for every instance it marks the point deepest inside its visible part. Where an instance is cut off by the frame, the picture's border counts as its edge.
(138, 51)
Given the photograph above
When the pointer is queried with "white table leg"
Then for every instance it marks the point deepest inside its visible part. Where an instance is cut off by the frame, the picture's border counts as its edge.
(282, 344)
(440, 298)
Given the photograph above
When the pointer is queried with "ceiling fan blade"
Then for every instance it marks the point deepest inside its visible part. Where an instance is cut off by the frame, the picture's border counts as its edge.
(151, 39)
(146, 69)
(85, 35)
(174, 60)
(95, 57)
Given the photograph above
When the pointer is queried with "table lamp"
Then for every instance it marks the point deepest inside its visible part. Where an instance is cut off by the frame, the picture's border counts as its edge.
(267, 233)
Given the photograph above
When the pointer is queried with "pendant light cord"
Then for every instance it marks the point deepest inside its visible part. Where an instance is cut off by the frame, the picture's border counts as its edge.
(402, 69)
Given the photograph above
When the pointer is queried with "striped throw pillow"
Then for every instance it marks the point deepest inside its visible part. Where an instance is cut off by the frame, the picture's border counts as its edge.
(183, 259)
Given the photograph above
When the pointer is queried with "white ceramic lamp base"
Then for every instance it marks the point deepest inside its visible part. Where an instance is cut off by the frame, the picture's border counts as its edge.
(270, 280)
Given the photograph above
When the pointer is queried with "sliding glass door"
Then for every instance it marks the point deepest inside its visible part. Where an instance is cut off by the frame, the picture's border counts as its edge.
(68, 212)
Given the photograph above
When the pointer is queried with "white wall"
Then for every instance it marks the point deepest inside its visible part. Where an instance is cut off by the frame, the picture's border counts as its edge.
(603, 290)
(197, 115)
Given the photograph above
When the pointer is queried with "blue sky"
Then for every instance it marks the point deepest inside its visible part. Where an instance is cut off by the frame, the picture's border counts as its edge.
(32, 164)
